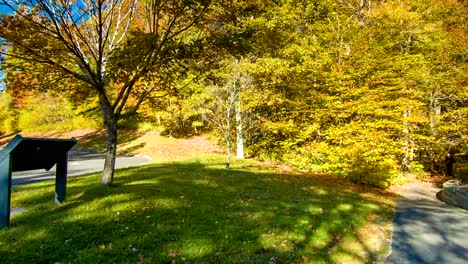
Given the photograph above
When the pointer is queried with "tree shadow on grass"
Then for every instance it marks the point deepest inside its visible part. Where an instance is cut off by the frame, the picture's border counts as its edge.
(192, 213)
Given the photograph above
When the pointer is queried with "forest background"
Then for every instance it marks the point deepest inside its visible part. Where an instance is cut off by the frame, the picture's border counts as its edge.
(373, 91)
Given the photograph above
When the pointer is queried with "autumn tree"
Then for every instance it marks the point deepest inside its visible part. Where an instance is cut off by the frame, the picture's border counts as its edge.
(100, 45)
(4, 111)
(222, 103)
(347, 85)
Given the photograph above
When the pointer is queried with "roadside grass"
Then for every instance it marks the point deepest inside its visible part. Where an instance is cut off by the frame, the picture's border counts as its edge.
(196, 211)
(149, 143)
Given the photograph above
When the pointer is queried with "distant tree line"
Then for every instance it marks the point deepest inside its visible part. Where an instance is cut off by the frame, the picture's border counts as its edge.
(370, 90)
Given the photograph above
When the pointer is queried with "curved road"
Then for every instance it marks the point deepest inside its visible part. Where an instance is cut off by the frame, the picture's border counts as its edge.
(428, 231)
(80, 162)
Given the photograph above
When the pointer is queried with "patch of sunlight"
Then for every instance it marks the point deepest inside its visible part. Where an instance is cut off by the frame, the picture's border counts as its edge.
(260, 216)
(139, 174)
(315, 190)
(320, 191)
(320, 238)
(298, 234)
(346, 257)
(93, 216)
(105, 202)
(201, 181)
(196, 247)
(230, 189)
(371, 206)
(277, 241)
(344, 207)
(142, 182)
(169, 203)
(123, 206)
(314, 209)
(38, 234)
(351, 249)
(207, 182)
(129, 203)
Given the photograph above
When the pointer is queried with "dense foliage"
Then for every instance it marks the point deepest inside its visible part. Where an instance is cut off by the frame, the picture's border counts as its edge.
(371, 90)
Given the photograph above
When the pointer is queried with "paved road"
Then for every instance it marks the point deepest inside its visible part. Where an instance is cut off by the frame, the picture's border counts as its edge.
(428, 231)
(80, 162)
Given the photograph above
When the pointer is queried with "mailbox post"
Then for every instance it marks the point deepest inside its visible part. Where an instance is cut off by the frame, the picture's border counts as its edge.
(23, 154)
(5, 191)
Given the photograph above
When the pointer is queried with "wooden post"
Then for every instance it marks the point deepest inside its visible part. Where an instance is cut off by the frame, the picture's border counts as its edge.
(61, 179)
(5, 191)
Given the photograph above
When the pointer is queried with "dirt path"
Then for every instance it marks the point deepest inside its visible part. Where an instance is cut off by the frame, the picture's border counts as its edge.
(426, 230)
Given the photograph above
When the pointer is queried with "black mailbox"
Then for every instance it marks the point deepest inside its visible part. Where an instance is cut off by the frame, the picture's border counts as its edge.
(23, 154)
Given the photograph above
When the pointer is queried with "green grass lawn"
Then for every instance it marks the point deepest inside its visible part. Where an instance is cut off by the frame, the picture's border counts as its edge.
(196, 211)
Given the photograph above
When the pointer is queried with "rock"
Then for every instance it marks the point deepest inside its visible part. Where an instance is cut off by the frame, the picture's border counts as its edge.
(451, 183)
(454, 193)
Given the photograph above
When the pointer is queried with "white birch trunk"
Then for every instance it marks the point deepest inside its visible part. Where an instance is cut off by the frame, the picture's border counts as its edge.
(240, 136)
(409, 143)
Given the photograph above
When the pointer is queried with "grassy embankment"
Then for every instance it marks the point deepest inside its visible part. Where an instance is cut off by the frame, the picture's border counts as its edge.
(195, 211)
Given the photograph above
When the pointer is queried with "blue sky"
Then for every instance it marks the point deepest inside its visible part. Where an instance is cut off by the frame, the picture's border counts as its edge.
(3, 10)
(2, 86)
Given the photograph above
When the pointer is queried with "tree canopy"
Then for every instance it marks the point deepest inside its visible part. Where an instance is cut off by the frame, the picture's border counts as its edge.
(371, 90)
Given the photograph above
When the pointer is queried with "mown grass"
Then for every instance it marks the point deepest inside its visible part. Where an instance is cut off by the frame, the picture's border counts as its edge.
(149, 143)
(196, 211)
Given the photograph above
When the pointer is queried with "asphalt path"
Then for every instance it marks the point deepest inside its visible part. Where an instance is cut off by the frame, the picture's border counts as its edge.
(80, 162)
(428, 231)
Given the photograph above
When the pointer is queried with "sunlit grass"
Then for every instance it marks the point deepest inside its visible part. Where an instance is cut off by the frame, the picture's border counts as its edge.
(149, 143)
(199, 212)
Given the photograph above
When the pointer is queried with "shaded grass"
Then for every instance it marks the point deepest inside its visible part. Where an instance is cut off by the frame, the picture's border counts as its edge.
(196, 211)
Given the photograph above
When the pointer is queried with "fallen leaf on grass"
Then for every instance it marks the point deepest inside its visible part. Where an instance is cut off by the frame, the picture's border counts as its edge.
(141, 257)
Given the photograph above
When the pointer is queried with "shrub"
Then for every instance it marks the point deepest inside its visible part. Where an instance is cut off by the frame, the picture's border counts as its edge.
(9, 122)
(45, 112)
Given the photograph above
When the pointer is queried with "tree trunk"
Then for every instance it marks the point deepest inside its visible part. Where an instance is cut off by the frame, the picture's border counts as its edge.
(449, 161)
(110, 123)
(227, 136)
(240, 137)
(434, 116)
(407, 149)
(409, 144)
(228, 161)
(111, 151)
